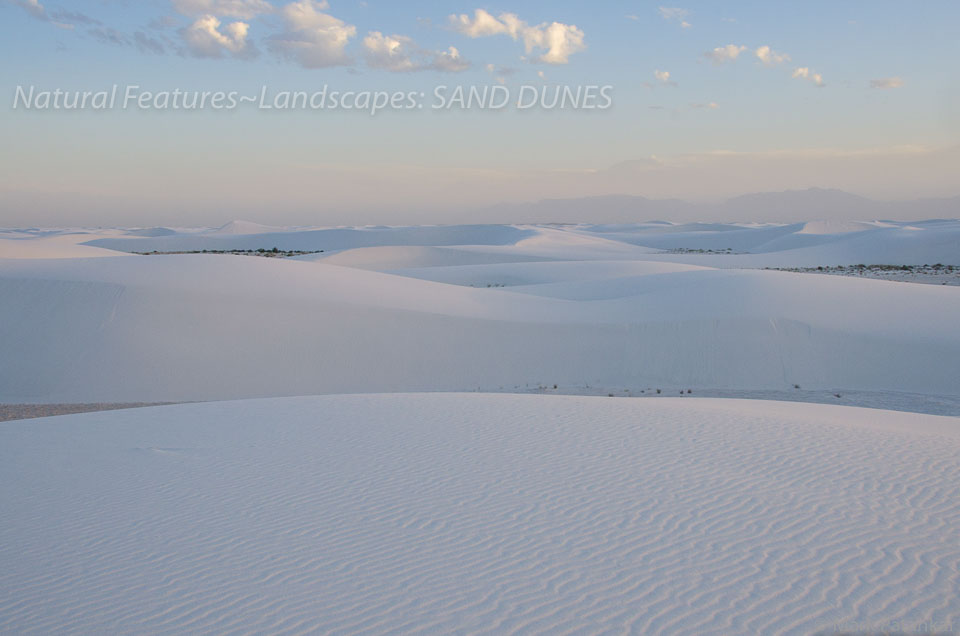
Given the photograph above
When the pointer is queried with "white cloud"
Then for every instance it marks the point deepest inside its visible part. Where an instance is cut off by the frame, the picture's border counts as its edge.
(398, 53)
(709, 105)
(558, 41)
(685, 24)
(769, 57)
(243, 9)
(313, 38)
(482, 25)
(449, 61)
(632, 16)
(390, 53)
(803, 72)
(663, 76)
(205, 38)
(886, 82)
(727, 53)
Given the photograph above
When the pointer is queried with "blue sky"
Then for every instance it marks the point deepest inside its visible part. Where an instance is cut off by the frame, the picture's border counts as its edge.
(862, 96)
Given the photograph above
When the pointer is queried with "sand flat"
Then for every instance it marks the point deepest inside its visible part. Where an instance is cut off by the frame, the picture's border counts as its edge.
(461, 513)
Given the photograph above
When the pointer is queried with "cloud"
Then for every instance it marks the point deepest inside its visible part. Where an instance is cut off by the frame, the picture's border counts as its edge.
(708, 105)
(143, 42)
(147, 44)
(803, 72)
(632, 16)
(242, 9)
(107, 35)
(38, 11)
(769, 57)
(313, 38)
(398, 54)
(449, 61)
(886, 82)
(73, 17)
(727, 53)
(390, 53)
(664, 77)
(558, 41)
(204, 38)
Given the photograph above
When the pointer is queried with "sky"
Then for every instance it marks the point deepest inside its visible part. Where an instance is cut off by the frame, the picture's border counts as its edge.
(707, 100)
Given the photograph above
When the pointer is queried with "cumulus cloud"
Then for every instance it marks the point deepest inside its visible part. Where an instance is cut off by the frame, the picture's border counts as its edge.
(206, 38)
(769, 57)
(313, 38)
(391, 53)
(558, 41)
(398, 53)
(886, 82)
(803, 72)
(727, 53)
(663, 77)
(449, 61)
(242, 9)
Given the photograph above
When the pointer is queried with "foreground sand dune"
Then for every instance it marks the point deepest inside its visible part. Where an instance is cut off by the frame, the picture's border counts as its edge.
(480, 513)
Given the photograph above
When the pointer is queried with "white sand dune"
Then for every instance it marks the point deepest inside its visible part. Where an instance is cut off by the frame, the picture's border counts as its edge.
(540, 273)
(412, 256)
(175, 328)
(440, 513)
(327, 239)
(526, 306)
(17, 245)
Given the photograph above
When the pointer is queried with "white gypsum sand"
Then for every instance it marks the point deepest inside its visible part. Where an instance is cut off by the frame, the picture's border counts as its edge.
(450, 513)
(493, 308)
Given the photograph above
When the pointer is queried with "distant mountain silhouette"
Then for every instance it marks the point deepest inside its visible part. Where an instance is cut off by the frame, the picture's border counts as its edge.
(789, 206)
